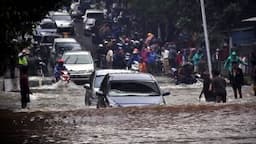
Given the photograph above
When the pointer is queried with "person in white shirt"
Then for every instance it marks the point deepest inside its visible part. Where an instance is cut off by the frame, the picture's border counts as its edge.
(165, 60)
(109, 58)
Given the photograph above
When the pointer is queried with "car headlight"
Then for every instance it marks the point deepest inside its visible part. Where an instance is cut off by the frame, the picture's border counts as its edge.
(90, 71)
(74, 12)
(87, 27)
(71, 24)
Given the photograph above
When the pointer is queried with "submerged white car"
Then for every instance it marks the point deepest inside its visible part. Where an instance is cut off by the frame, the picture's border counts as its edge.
(79, 64)
(95, 81)
(130, 89)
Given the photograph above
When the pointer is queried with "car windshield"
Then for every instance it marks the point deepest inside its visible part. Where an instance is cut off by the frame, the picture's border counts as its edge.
(48, 26)
(77, 59)
(98, 80)
(48, 39)
(61, 17)
(67, 46)
(95, 15)
(133, 89)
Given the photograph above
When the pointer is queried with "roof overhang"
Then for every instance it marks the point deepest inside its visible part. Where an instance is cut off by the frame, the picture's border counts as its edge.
(252, 19)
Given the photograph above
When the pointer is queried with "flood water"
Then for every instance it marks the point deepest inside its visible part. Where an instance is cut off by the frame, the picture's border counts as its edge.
(57, 114)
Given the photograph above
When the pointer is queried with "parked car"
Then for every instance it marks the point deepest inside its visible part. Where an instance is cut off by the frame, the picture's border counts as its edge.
(95, 81)
(64, 22)
(79, 64)
(96, 14)
(46, 25)
(61, 45)
(45, 45)
(47, 39)
(129, 89)
(88, 26)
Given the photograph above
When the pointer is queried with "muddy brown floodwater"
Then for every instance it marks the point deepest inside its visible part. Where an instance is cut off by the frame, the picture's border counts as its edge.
(179, 124)
(58, 116)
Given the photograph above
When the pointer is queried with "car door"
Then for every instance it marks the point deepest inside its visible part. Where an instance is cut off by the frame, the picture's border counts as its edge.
(102, 93)
(89, 90)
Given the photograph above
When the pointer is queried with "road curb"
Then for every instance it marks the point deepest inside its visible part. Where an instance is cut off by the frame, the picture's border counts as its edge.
(8, 84)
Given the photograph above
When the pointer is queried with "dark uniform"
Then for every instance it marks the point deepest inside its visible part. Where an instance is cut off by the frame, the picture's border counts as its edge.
(219, 88)
(254, 80)
(236, 79)
(209, 97)
(24, 83)
(24, 90)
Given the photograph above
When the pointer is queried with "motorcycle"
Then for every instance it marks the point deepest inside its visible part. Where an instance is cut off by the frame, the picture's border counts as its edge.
(65, 76)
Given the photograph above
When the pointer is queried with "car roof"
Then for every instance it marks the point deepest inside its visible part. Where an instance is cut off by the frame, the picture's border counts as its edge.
(47, 20)
(50, 34)
(60, 13)
(103, 72)
(91, 20)
(94, 11)
(77, 53)
(65, 40)
(131, 77)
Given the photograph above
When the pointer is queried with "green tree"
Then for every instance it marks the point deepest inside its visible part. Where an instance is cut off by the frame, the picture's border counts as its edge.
(185, 15)
(17, 18)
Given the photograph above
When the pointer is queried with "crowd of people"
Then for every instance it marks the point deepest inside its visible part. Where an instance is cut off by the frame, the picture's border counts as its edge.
(120, 45)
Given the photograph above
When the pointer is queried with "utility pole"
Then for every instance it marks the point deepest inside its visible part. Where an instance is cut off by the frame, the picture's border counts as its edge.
(206, 38)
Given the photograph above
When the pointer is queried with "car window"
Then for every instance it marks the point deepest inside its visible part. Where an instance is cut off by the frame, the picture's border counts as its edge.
(48, 39)
(98, 80)
(61, 17)
(95, 15)
(66, 46)
(133, 89)
(77, 59)
(48, 26)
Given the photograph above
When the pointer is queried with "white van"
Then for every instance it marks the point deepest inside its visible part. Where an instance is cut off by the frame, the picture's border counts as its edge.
(79, 64)
(61, 45)
(93, 14)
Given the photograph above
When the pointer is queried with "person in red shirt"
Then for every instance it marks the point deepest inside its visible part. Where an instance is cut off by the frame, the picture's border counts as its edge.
(179, 58)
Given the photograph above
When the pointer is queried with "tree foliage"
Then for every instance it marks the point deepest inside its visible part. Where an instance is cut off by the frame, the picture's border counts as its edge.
(17, 17)
(185, 15)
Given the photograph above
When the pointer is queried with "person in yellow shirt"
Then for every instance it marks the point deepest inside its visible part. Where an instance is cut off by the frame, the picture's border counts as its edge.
(24, 82)
(23, 61)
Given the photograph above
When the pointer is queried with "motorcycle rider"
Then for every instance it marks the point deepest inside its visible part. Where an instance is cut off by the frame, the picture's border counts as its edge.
(134, 59)
(58, 68)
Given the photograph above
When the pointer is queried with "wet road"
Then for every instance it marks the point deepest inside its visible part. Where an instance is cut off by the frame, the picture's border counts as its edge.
(57, 114)
(85, 41)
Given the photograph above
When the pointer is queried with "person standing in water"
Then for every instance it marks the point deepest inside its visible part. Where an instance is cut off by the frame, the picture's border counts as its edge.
(218, 87)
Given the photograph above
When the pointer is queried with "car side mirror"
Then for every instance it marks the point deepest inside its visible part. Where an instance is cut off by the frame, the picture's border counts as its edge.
(167, 93)
(87, 86)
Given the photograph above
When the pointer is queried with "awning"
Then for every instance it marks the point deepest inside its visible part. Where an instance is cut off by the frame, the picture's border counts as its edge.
(252, 19)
